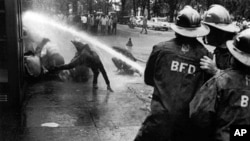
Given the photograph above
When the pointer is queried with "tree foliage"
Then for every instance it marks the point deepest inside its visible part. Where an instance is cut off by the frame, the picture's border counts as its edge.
(238, 8)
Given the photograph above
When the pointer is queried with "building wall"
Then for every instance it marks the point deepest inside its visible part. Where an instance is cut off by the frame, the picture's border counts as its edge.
(12, 62)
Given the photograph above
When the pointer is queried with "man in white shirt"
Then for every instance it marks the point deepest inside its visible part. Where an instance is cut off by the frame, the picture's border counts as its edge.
(84, 21)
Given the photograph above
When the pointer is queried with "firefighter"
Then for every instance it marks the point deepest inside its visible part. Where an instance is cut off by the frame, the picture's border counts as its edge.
(174, 72)
(224, 100)
(221, 30)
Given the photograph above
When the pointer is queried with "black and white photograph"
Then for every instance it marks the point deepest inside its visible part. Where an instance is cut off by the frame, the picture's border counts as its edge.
(124, 70)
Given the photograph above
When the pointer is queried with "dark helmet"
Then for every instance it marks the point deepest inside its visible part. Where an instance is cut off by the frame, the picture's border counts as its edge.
(217, 16)
(188, 23)
(240, 47)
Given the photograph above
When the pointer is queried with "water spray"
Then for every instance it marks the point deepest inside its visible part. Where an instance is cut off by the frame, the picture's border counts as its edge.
(39, 19)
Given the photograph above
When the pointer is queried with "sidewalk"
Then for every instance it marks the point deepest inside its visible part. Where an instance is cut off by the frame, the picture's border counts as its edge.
(81, 113)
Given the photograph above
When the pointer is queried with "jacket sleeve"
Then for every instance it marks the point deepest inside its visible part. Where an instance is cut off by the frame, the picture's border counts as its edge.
(150, 67)
(72, 64)
(202, 107)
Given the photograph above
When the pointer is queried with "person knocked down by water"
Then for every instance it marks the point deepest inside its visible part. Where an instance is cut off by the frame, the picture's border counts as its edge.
(86, 56)
(174, 72)
(51, 56)
(122, 66)
(32, 60)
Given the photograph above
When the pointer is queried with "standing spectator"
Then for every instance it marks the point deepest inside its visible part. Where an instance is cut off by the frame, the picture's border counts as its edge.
(92, 23)
(131, 21)
(144, 25)
(103, 24)
(221, 30)
(107, 20)
(77, 21)
(71, 19)
(84, 22)
(174, 72)
(96, 24)
(98, 19)
(88, 23)
(110, 22)
(224, 100)
(114, 24)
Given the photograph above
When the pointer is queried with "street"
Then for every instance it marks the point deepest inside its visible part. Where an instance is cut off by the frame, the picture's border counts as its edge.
(69, 111)
(80, 113)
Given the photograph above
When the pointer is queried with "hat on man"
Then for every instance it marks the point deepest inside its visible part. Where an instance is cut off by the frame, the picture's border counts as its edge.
(240, 47)
(188, 23)
(80, 45)
(217, 16)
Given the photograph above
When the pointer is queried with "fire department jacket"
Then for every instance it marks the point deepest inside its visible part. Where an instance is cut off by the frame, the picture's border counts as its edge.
(173, 70)
(222, 101)
(222, 56)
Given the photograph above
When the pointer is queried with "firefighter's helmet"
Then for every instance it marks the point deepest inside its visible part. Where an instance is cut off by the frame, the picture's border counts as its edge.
(240, 47)
(188, 23)
(217, 16)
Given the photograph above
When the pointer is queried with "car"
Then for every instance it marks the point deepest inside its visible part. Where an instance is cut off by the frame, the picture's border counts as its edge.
(159, 23)
(155, 23)
(165, 25)
(152, 24)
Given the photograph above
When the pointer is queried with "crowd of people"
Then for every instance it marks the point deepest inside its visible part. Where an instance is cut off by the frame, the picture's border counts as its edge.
(95, 23)
(198, 96)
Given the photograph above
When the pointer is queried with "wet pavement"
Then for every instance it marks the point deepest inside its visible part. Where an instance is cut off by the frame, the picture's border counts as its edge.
(81, 113)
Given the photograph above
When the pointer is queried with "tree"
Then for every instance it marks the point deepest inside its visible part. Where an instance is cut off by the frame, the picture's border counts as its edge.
(123, 5)
(149, 9)
(134, 7)
(174, 5)
(156, 8)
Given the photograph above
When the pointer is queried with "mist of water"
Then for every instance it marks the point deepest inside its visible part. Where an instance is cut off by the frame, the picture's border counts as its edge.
(33, 18)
